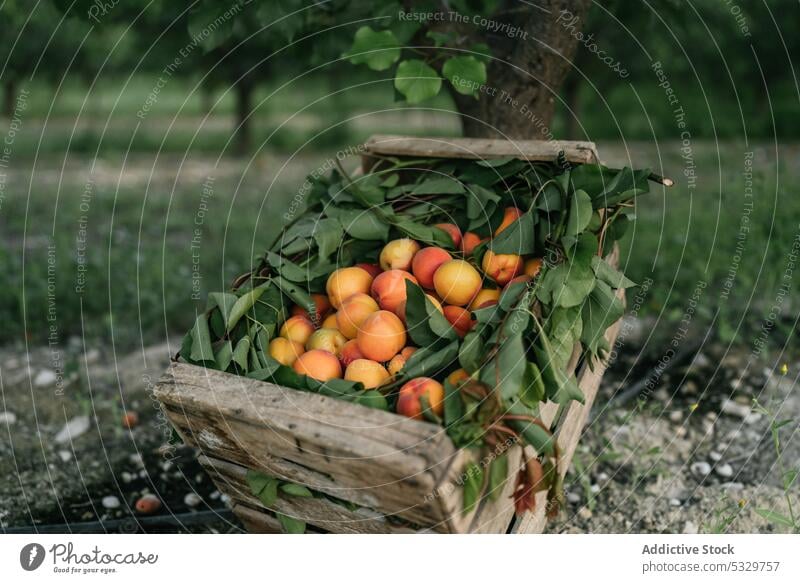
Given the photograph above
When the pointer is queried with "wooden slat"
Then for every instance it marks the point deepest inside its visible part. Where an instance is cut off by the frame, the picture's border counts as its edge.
(477, 149)
(257, 522)
(321, 512)
(393, 462)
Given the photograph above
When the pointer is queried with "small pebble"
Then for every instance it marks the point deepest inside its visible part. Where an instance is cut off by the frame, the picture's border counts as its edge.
(64, 455)
(573, 498)
(127, 477)
(594, 488)
(225, 499)
(724, 471)
(735, 409)
(136, 458)
(701, 469)
(110, 502)
(199, 478)
(585, 513)
(715, 456)
(602, 477)
(45, 378)
(191, 500)
(142, 473)
(8, 418)
(674, 502)
(676, 416)
(690, 528)
(214, 495)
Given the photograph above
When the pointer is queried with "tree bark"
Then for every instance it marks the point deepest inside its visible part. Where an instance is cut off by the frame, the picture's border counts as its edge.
(526, 72)
(572, 114)
(244, 95)
(9, 98)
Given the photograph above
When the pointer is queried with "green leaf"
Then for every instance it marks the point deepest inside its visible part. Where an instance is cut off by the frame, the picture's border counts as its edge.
(425, 233)
(361, 224)
(453, 405)
(601, 310)
(566, 285)
(201, 340)
(473, 483)
(328, 237)
(471, 352)
(264, 487)
(417, 81)
(296, 490)
(519, 238)
(439, 185)
(372, 399)
(224, 355)
(379, 50)
(243, 304)
(498, 474)
(580, 213)
(774, 517)
(429, 360)
(291, 525)
(559, 387)
(505, 371)
(466, 74)
(533, 389)
(225, 302)
(241, 352)
(609, 275)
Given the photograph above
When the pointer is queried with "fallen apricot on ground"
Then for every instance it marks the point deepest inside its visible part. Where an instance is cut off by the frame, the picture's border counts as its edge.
(453, 231)
(409, 401)
(318, 364)
(326, 339)
(345, 282)
(297, 329)
(485, 297)
(469, 242)
(350, 352)
(389, 288)
(353, 312)
(532, 267)
(130, 419)
(381, 336)
(285, 351)
(426, 262)
(398, 254)
(148, 504)
(510, 214)
(367, 372)
(457, 282)
(459, 319)
(502, 268)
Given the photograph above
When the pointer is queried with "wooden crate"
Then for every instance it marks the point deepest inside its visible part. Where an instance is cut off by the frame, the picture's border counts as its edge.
(379, 472)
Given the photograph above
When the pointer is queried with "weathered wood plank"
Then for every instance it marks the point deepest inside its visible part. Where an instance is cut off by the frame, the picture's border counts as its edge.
(393, 460)
(256, 521)
(494, 516)
(321, 512)
(476, 148)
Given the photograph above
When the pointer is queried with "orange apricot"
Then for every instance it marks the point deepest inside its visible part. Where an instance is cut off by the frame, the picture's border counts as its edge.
(326, 339)
(485, 297)
(502, 268)
(381, 336)
(345, 282)
(350, 352)
(510, 214)
(389, 288)
(353, 312)
(318, 364)
(532, 267)
(372, 268)
(425, 264)
(398, 254)
(297, 329)
(322, 306)
(469, 242)
(457, 282)
(330, 322)
(457, 377)
(453, 231)
(409, 401)
(459, 319)
(367, 372)
(285, 351)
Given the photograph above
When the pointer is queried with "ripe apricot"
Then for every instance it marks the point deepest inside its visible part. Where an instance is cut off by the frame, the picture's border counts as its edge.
(322, 306)
(330, 322)
(326, 339)
(409, 400)
(345, 282)
(350, 352)
(318, 364)
(502, 268)
(353, 312)
(367, 372)
(285, 351)
(389, 288)
(425, 264)
(469, 242)
(456, 282)
(396, 364)
(408, 351)
(457, 377)
(372, 268)
(297, 329)
(398, 254)
(485, 297)
(453, 231)
(510, 214)
(381, 336)
(459, 319)
(532, 267)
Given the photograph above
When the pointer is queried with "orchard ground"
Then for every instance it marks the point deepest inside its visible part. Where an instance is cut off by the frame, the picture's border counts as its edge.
(103, 257)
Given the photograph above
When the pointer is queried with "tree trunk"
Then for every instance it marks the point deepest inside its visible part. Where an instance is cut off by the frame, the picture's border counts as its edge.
(244, 94)
(572, 114)
(525, 73)
(9, 98)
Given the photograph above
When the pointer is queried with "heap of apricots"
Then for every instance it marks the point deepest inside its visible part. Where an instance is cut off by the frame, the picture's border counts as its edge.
(357, 331)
